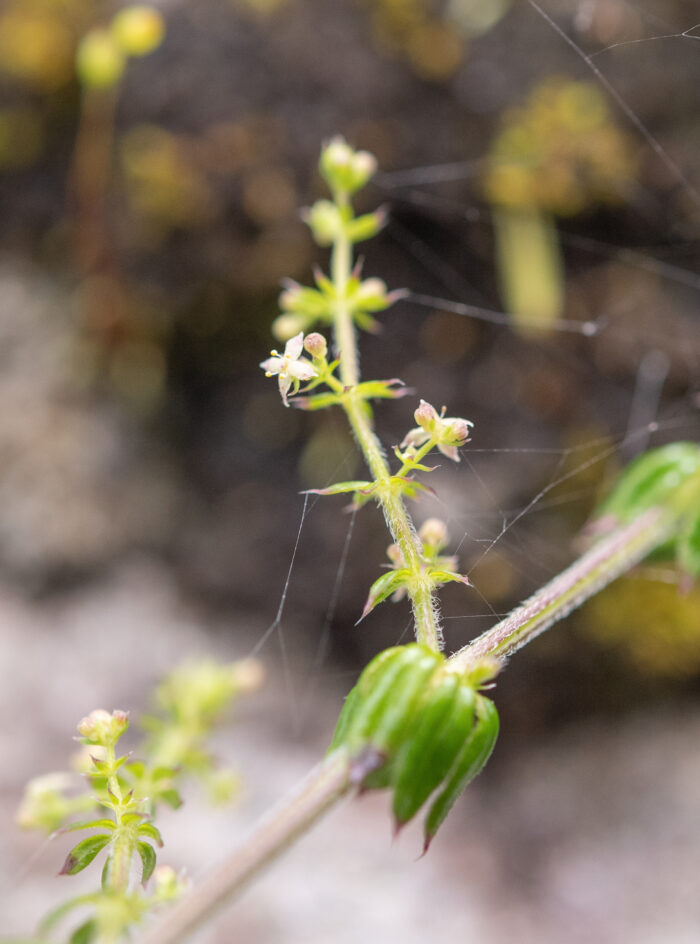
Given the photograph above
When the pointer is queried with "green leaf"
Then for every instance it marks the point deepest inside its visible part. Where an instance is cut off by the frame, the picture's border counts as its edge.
(470, 762)
(82, 855)
(85, 934)
(650, 480)
(383, 389)
(446, 576)
(384, 587)
(148, 829)
(410, 487)
(345, 718)
(88, 824)
(366, 322)
(171, 797)
(444, 722)
(319, 401)
(148, 859)
(382, 707)
(340, 488)
(365, 226)
(688, 548)
(395, 721)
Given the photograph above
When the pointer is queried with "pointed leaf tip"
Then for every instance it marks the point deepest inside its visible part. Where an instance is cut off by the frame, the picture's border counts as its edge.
(82, 855)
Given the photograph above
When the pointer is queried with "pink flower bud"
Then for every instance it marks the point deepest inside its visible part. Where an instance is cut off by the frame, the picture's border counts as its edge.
(426, 416)
(433, 533)
(315, 345)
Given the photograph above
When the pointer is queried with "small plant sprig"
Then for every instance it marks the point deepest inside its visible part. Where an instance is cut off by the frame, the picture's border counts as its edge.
(417, 721)
(126, 791)
(347, 302)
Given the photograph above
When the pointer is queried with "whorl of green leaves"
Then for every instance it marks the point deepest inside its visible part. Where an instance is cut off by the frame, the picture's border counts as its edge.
(417, 728)
(666, 477)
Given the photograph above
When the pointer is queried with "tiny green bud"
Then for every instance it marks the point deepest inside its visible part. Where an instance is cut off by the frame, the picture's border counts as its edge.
(44, 804)
(371, 295)
(99, 61)
(288, 325)
(344, 169)
(168, 884)
(315, 345)
(433, 534)
(325, 222)
(101, 727)
(138, 30)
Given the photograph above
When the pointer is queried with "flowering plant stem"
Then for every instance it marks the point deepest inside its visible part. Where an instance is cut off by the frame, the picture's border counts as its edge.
(420, 590)
(610, 557)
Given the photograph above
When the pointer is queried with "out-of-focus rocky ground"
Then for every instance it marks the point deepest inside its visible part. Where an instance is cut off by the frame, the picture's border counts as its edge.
(589, 835)
(149, 476)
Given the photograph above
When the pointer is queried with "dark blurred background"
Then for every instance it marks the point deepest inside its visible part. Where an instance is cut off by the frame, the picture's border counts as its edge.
(150, 477)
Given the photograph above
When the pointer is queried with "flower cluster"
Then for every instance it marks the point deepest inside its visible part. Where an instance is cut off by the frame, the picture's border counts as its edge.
(448, 433)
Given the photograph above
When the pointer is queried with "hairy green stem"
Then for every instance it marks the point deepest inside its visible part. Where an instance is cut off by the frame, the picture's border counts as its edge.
(420, 590)
(123, 849)
(604, 562)
(295, 815)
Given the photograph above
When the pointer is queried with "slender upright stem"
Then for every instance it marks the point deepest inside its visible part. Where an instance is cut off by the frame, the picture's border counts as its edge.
(420, 590)
(604, 562)
(122, 852)
(295, 815)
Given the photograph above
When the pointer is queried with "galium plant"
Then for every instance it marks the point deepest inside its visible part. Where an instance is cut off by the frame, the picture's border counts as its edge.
(418, 722)
(125, 792)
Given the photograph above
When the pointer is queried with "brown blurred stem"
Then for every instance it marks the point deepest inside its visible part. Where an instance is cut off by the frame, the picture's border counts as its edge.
(106, 305)
(294, 816)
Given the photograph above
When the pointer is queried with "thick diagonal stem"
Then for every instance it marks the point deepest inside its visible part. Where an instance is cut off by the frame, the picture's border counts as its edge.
(604, 562)
(295, 815)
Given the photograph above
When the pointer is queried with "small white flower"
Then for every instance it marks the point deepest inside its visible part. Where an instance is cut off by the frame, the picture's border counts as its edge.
(290, 368)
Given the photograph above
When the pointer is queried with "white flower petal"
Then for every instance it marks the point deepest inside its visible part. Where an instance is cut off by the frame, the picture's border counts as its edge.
(294, 346)
(449, 451)
(273, 365)
(302, 370)
(415, 437)
(284, 383)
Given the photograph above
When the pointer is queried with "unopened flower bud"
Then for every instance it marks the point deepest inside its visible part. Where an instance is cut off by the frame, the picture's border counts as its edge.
(426, 416)
(433, 533)
(393, 552)
(169, 885)
(103, 727)
(345, 169)
(325, 222)
(287, 325)
(458, 431)
(315, 345)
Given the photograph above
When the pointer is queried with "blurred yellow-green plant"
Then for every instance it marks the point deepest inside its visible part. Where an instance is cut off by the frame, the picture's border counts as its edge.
(557, 155)
(649, 623)
(125, 793)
